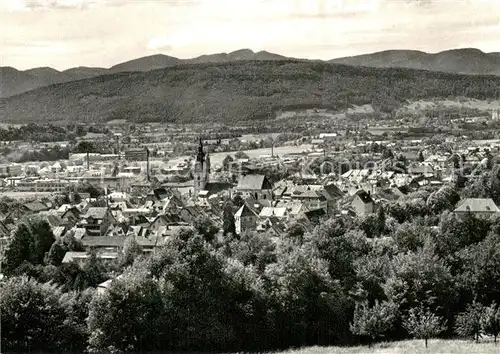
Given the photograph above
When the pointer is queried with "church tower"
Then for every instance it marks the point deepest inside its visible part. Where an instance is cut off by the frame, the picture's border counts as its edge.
(201, 170)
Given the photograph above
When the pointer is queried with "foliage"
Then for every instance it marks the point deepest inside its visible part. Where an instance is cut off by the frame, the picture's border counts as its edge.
(31, 240)
(490, 321)
(468, 323)
(33, 316)
(131, 251)
(246, 90)
(206, 228)
(419, 278)
(423, 324)
(257, 292)
(240, 155)
(228, 226)
(127, 316)
(375, 321)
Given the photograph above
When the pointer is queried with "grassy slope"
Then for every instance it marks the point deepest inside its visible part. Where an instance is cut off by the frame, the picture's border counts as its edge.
(232, 92)
(408, 347)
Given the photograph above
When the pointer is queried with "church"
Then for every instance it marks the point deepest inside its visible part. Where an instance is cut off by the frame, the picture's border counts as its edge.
(201, 170)
(203, 187)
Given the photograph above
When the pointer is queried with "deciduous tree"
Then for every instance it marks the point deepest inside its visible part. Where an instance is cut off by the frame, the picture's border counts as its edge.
(423, 324)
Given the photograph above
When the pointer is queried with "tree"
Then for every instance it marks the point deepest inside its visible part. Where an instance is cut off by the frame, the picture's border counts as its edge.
(373, 322)
(296, 230)
(423, 324)
(310, 305)
(421, 156)
(92, 274)
(387, 154)
(131, 250)
(418, 278)
(468, 323)
(480, 268)
(56, 253)
(238, 201)
(18, 249)
(229, 226)
(76, 331)
(252, 248)
(226, 163)
(128, 316)
(410, 236)
(381, 221)
(444, 198)
(60, 247)
(32, 317)
(205, 227)
(43, 238)
(490, 321)
(240, 155)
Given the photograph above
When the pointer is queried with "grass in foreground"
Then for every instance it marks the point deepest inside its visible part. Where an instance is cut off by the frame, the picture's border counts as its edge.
(409, 346)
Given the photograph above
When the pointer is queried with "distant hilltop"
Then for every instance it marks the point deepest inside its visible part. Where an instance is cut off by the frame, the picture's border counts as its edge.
(463, 61)
(235, 92)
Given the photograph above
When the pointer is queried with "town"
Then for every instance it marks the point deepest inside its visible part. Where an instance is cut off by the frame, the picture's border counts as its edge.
(215, 176)
(149, 181)
(314, 202)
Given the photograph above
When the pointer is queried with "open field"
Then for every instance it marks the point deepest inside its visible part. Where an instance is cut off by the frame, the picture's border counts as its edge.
(407, 347)
(467, 103)
(217, 158)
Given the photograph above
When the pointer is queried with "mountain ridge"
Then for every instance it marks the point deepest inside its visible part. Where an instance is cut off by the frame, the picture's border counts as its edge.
(465, 61)
(14, 83)
(461, 61)
(233, 92)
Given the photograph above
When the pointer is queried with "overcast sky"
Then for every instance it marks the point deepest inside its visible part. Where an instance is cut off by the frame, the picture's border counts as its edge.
(69, 33)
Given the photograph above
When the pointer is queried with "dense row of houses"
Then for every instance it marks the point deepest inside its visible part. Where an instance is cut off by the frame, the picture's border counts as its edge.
(154, 214)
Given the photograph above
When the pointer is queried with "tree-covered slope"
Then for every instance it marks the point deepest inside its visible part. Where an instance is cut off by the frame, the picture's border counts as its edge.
(232, 92)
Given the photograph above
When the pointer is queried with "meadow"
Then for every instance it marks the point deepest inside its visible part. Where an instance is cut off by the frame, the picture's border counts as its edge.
(408, 347)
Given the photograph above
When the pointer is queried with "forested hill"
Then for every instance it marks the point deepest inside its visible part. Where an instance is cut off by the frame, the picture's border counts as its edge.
(232, 92)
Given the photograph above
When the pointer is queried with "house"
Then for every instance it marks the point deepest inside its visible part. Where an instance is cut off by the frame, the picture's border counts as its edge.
(104, 243)
(71, 216)
(190, 214)
(362, 203)
(314, 216)
(163, 221)
(279, 213)
(479, 207)
(272, 226)
(256, 186)
(36, 207)
(96, 220)
(81, 257)
(246, 218)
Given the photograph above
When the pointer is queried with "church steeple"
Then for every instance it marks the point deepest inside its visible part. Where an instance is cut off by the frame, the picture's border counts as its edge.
(200, 157)
(201, 169)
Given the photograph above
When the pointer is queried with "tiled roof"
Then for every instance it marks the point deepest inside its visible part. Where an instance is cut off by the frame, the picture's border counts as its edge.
(253, 182)
(103, 241)
(365, 196)
(483, 205)
(96, 212)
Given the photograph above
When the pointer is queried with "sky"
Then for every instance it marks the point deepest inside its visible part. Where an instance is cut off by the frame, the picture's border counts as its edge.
(69, 33)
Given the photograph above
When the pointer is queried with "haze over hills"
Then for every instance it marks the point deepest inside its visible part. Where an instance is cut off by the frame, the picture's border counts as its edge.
(462, 61)
(233, 92)
(466, 61)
